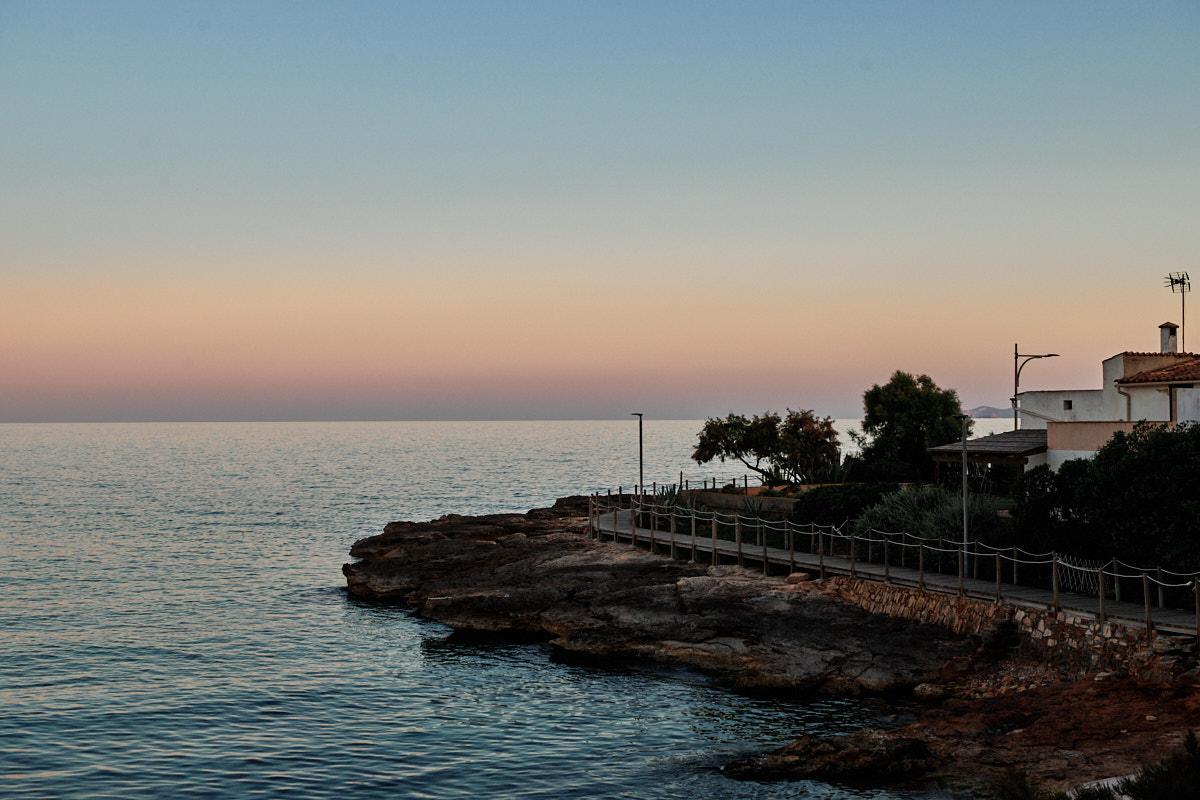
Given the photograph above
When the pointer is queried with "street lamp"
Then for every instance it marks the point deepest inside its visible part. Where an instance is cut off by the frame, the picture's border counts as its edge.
(641, 462)
(1019, 361)
(963, 420)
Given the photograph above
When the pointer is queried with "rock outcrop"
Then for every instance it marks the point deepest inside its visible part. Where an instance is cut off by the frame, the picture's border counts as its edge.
(538, 574)
(987, 710)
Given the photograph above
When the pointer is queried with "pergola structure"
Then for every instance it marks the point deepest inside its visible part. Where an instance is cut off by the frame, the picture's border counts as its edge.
(1009, 447)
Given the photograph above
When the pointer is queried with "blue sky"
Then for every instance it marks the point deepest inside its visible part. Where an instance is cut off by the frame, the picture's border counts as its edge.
(921, 168)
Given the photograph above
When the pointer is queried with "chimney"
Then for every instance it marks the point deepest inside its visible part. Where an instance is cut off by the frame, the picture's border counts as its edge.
(1166, 337)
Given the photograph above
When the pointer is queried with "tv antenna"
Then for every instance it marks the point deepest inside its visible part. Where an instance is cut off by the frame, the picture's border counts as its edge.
(1180, 283)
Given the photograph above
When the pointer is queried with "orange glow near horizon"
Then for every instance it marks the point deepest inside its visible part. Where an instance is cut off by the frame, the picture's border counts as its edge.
(492, 346)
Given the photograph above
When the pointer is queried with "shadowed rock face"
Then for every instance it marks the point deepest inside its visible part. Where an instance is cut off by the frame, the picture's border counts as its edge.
(539, 574)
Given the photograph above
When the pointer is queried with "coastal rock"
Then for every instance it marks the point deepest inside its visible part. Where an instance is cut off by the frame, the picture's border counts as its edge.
(929, 692)
(538, 574)
(872, 756)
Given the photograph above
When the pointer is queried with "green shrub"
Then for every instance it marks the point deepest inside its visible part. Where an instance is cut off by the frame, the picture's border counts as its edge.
(1137, 500)
(833, 505)
(933, 512)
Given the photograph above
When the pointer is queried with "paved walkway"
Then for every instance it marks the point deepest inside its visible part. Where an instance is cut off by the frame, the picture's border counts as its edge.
(618, 527)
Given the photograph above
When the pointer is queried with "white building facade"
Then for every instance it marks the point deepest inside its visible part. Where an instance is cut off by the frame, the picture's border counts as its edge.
(1156, 387)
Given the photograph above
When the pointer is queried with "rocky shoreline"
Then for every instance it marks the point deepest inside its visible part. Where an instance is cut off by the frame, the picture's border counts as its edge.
(539, 575)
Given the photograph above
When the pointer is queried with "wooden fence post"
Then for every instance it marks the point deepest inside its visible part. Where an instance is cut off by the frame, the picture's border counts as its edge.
(1146, 604)
(1015, 581)
(1196, 589)
(960, 571)
(672, 533)
(693, 558)
(653, 524)
(737, 535)
(921, 565)
(1100, 581)
(763, 532)
(632, 522)
(887, 570)
(821, 560)
(714, 539)
(998, 576)
(853, 541)
(1054, 580)
(791, 537)
(1160, 588)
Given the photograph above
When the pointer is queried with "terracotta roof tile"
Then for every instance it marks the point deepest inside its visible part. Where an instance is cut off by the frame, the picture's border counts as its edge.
(1154, 353)
(1181, 372)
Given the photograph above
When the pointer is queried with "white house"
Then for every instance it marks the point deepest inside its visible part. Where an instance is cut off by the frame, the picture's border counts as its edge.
(1058, 425)
(1158, 387)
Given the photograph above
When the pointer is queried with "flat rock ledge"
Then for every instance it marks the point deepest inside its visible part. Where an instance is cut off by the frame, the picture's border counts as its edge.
(539, 574)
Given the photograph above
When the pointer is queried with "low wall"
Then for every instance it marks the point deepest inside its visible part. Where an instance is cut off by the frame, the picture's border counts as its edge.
(1076, 643)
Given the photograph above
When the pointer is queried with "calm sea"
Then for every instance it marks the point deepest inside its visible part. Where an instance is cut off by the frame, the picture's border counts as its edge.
(173, 624)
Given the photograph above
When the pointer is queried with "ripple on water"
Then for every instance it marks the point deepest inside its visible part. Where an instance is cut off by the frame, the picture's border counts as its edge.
(174, 626)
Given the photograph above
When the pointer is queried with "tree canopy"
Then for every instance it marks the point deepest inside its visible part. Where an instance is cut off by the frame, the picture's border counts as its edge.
(1137, 500)
(797, 447)
(902, 419)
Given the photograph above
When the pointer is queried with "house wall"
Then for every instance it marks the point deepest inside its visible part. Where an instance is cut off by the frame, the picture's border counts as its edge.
(1068, 440)
(1149, 402)
(1106, 403)
(1086, 404)
(1187, 405)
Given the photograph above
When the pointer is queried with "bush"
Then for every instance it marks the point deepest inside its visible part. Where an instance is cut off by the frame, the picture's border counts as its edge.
(1137, 500)
(931, 511)
(833, 505)
(879, 470)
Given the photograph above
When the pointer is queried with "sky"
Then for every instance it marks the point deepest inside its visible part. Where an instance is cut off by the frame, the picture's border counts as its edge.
(243, 211)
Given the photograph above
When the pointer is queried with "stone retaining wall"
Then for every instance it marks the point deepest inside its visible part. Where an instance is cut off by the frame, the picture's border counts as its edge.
(1077, 643)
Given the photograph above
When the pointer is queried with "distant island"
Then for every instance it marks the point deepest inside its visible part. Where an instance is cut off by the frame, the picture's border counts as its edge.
(989, 412)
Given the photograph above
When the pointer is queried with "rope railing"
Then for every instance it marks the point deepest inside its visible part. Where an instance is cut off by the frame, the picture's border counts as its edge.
(733, 534)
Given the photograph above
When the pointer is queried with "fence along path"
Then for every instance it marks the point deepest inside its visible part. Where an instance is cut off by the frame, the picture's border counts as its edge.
(896, 558)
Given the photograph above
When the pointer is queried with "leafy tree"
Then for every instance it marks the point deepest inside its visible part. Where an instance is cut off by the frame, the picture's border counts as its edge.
(903, 418)
(808, 446)
(1137, 500)
(796, 447)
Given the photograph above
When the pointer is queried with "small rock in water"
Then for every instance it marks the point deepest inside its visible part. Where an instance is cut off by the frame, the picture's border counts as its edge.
(929, 691)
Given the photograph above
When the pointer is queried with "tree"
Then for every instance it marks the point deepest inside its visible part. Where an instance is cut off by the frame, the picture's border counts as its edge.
(798, 447)
(902, 419)
(1137, 500)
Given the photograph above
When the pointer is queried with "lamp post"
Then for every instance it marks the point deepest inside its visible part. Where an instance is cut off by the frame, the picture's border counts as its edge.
(963, 418)
(641, 462)
(1019, 361)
